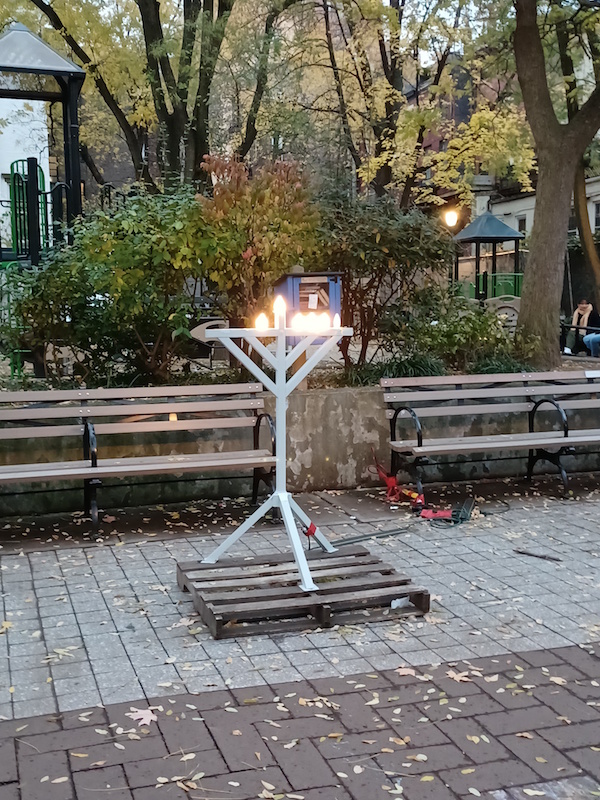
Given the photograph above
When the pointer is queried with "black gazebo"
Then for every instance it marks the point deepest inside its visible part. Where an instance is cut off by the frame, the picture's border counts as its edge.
(487, 229)
(31, 70)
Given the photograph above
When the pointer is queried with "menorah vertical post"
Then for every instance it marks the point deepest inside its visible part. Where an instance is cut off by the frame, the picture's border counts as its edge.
(306, 330)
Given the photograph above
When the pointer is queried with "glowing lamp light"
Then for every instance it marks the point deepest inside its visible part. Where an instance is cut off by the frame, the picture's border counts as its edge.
(451, 218)
(262, 322)
(337, 322)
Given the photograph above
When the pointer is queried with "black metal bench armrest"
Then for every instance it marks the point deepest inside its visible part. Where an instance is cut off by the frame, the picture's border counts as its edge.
(90, 443)
(557, 406)
(271, 425)
(570, 326)
(415, 418)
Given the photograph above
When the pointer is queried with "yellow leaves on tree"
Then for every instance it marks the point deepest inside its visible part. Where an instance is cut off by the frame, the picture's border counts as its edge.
(264, 225)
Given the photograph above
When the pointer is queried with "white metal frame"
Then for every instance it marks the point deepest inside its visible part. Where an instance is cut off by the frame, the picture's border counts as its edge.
(281, 361)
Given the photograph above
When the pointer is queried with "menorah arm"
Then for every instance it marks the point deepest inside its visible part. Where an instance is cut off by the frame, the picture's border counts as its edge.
(250, 365)
(311, 362)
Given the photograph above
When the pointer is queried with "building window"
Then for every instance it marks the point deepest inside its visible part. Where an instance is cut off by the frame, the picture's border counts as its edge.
(572, 222)
(522, 224)
(597, 217)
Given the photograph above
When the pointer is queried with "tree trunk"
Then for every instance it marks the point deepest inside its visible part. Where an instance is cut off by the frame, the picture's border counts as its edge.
(586, 236)
(544, 275)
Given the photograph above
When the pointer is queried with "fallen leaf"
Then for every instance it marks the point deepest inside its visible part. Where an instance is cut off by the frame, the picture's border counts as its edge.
(80, 755)
(467, 771)
(268, 786)
(540, 760)
(459, 677)
(474, 739)
(524, 735)
(559, 681)
(475, 792)
(188, 757)
(236, 733)
(534, 793)
(405, 671)
(60, 780)
(143, 716)
(426, 778)
(357, 769)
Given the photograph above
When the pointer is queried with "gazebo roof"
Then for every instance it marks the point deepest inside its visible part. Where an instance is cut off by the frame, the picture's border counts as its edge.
(488, 228)
(23, 51)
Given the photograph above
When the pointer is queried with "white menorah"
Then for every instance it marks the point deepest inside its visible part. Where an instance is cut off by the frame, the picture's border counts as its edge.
(306, 329)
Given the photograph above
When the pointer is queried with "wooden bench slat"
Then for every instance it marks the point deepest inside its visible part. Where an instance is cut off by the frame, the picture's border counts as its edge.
(501, 441)
(492, 408)
(145, 465)
(512, 377)
(55, 431)
(81, 395)
(467, 394)
(122, 409)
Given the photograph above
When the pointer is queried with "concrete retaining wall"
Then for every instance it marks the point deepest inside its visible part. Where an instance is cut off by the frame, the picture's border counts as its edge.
(331, 436)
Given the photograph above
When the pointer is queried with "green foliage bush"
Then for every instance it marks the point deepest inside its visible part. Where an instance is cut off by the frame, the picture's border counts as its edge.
(385, 255)
(443, 324)
(415, 365)
(122, 296)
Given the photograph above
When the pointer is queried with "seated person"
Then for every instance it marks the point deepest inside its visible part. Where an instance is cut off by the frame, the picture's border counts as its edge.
(592, 342)
(584, 316)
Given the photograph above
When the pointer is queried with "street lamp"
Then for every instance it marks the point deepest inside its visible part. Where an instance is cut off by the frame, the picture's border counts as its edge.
(451, 218)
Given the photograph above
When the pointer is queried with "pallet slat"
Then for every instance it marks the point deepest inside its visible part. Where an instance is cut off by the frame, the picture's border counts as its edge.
(250, 596)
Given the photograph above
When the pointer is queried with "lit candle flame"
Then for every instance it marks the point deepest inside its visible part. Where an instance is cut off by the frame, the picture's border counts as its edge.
(279, 311)
(311, 322)
(262, 323)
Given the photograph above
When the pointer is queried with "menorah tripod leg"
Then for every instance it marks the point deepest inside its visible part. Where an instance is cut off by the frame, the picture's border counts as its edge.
(306, 582)
(320, 538)
(237, 534)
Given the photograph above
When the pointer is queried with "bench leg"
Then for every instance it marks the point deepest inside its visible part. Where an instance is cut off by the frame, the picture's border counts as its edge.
(531, 462)
(90, 501)
(268, 477)
(415, 472)
(552, 458)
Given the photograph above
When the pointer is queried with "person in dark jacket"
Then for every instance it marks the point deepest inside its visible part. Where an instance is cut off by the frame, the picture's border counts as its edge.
(585, 316)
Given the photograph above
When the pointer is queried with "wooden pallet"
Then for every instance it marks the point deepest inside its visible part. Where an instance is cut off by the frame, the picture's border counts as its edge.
(248, 596)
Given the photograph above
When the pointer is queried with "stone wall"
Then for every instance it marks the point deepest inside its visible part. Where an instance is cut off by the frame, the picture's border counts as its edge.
(332, 435)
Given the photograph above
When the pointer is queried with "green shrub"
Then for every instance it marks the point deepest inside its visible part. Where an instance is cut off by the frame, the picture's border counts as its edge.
(501, 363)
(385, 254)
(411, 367)
(123, 295)
(444, 324)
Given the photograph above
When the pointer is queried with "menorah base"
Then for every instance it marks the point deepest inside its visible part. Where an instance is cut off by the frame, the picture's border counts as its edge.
(290, 512)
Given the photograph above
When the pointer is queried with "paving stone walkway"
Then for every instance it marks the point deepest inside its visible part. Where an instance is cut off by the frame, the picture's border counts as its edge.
(104, 627)
(509, 727)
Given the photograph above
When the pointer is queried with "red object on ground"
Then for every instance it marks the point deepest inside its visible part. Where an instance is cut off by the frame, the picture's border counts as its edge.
(311, 530)
(428, 513)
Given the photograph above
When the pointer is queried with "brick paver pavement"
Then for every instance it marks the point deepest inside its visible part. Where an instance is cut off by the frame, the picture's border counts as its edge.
(505, 727)
(104, 628)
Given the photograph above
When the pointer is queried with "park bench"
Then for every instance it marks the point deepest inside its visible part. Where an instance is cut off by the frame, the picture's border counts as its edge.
(523, 402)
(109, 433)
